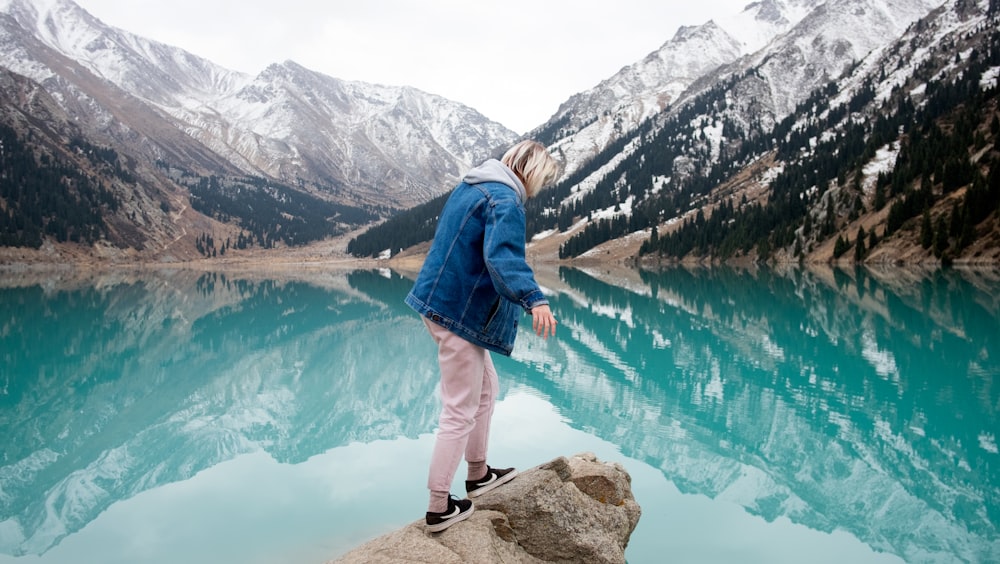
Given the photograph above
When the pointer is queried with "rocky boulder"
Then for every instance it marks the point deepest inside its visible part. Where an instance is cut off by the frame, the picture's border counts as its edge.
(576, 509)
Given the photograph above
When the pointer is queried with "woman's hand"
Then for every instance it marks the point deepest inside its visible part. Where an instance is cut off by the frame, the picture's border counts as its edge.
(542, 321)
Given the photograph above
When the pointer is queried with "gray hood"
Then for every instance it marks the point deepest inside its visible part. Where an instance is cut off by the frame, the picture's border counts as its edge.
(495, 171)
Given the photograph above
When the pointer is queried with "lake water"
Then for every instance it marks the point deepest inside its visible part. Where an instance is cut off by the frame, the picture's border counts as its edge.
(765, 417)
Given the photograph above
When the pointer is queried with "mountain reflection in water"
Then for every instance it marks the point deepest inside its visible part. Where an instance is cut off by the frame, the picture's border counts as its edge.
(858, 401)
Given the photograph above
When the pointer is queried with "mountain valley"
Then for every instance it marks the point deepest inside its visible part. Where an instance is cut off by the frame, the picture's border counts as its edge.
(783, 133)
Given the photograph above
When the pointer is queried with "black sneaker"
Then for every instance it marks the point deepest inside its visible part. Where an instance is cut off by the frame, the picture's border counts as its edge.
(494, 477)
(458, 510)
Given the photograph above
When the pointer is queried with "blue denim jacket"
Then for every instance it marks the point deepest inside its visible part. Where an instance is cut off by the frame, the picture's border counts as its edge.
(475, 280)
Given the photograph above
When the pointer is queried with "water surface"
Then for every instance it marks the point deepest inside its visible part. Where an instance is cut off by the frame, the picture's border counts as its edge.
(793, 416)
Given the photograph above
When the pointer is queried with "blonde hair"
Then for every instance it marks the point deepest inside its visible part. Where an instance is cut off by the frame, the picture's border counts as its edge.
(533, 164)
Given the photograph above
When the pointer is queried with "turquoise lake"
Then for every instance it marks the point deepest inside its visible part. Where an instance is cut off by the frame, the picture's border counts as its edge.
(766, 416)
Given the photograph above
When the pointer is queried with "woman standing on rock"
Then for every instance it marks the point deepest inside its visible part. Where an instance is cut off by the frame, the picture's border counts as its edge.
(470, 292)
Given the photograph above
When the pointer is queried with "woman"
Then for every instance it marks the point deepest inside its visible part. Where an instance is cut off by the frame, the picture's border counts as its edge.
(470, 292)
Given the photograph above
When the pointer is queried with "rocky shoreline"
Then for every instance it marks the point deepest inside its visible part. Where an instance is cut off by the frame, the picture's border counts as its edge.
(576, 509)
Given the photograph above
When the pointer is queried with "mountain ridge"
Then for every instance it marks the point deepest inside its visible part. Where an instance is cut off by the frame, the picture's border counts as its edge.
(783, 133)
(243, 157)
(365, 149)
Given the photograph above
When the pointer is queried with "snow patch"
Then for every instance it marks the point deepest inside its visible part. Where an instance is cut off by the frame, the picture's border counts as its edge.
(544, 234)
(883, 162)
(990, 78)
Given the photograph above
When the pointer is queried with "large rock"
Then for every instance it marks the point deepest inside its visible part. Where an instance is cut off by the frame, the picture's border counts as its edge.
(568, 510)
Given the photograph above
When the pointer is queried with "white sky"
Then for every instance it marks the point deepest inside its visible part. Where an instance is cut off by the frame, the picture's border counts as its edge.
(514, 61)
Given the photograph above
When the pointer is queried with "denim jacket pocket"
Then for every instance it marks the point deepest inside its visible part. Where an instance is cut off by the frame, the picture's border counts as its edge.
(494, 309)
(501, 324)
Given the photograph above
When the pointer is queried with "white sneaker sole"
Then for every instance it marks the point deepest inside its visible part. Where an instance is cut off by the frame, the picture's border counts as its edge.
(445, 524)
(501, 481)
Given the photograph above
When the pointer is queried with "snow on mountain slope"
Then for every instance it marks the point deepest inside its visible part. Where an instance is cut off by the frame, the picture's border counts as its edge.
(760, 22)
(289, 119)
(587, 122)
(825, 43)
(151, 70)
(797, 45)
(360, 143)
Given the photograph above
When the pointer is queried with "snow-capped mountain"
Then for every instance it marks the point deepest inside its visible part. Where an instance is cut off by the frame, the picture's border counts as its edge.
(589, 121)
(390, 145)
(203, 155)
(756, 154)
(370, 144)
(665, 140)
(827, 41)
(152, 71)
(797, 44)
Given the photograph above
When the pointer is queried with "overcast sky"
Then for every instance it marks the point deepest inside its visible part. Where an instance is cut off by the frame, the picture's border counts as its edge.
(514, 61)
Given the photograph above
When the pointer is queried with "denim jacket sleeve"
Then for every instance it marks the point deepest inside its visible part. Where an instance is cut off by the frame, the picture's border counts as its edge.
(504, 252)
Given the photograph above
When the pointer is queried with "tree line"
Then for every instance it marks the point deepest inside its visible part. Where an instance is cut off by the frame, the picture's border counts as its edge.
(936, 143)
(681, 159)
(43, 195)
(266, 212)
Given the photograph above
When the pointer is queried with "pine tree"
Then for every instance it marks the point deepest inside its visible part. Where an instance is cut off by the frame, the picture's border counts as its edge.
(955, 228)
(859, 247)
(926, 230)
(968, 234)
(941, 237)
(879, 196)
(840, 247)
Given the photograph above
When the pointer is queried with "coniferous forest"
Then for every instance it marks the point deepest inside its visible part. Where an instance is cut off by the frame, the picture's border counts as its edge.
(48, 197)
(900, 149)
(677, 185)
(405, 229)
(936, 144)
(267, 212)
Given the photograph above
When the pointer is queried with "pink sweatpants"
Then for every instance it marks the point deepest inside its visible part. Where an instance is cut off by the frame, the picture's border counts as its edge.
(468, 393)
